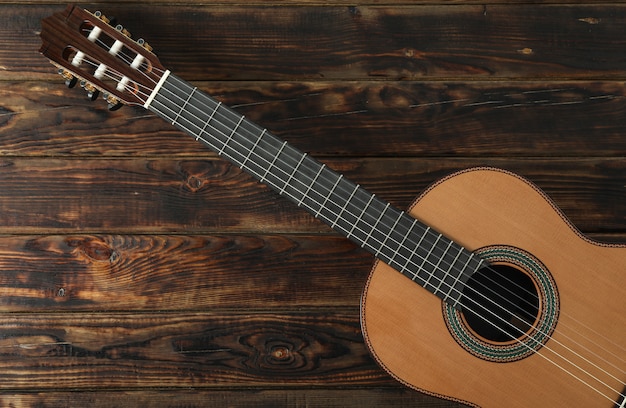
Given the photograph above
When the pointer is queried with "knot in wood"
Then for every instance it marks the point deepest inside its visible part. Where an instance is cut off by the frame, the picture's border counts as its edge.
(94, 248)
(281, 353)
(194, 183)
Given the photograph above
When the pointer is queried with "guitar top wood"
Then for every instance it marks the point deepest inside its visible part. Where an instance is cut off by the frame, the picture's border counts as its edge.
(404, 325)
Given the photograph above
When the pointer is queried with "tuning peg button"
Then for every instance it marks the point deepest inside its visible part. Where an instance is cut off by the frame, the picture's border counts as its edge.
(92, 91)
(113, 107)
(122, 30)
(71, 83)
(144, 44)
(70, 79)
(101, 16)
(113, 103)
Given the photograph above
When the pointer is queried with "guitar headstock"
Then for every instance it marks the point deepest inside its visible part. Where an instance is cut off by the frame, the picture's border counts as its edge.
(87, 49)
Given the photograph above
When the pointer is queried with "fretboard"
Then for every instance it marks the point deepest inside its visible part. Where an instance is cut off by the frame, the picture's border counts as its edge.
(406, 244)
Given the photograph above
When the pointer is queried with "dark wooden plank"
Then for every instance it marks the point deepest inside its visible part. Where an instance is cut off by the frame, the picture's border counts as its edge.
(387, 118)
(209, 195)
(104, 351)
(389, 397)
(159, 273)
(345, 42)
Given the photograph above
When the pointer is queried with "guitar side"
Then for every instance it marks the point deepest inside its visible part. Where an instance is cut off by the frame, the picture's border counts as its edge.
(404, 325)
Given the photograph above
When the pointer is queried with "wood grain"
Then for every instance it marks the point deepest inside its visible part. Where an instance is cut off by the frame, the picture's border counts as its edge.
(314, 3)
(209, 195)
(87, 351)
(345, 42)
(358, 119)
(392, 397)
(176, 272)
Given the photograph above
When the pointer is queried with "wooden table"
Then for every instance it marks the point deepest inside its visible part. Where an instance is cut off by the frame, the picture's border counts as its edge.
(138, 269)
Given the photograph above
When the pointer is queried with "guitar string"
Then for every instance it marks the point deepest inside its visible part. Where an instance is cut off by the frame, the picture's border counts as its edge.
(532, 317)
(487, 288)
(128, 59)
(521, 332)
(524, 344)
(514, 294)
(522, 299)
(190, 131)
(528, 314)
(193, 132)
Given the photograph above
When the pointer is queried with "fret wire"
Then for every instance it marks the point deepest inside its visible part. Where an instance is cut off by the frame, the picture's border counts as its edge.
(328, 196)
(421, 267)
(401, 245)
(230, 136)
(414, 252)
(345, 204)
(253, 147)
(295, 169)
(306, 193)
(206, 123)
(280, 169)
(183, 107)
(382, 245)
(437, 267)
(374, 226)
(302, 183)
(273, 161)
(409, 260)
(456, 258)
(358, 219)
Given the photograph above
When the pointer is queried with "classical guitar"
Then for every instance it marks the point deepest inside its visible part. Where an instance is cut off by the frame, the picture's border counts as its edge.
(483, 292)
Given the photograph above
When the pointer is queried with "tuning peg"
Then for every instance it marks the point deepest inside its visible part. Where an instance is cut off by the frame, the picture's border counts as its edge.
(102, 17)
(92, 92)
(113, 102)
(122, 30)
(144, 44)
(70, 79)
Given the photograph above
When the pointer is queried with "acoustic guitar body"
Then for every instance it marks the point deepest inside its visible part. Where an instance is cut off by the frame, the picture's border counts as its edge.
(571, 355)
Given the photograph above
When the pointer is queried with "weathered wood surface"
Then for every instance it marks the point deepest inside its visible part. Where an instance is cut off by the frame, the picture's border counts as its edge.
(356, 118)
(135, 266)
(176, 272)
(210, 195)
(184, 349)
(234, 398)
(497, 41)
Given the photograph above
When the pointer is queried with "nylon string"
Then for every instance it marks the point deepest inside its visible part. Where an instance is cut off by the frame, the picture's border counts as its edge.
(135, 91)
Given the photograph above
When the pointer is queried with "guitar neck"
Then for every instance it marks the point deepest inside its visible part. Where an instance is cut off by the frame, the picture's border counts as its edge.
(416, 250)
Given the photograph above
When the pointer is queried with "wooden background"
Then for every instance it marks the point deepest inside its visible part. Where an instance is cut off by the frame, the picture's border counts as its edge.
(137, 269)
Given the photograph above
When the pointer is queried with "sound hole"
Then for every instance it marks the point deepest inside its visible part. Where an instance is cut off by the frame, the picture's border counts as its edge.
(500, 303)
